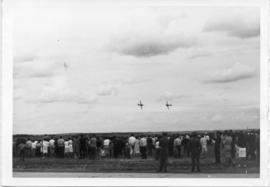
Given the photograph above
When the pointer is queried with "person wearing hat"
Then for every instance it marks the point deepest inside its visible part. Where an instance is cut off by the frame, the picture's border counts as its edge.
(195, 150)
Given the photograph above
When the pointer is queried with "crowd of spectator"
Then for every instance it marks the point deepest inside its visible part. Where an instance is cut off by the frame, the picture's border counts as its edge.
(226, 144)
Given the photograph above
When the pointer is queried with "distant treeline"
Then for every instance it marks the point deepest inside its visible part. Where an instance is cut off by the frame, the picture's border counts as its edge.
(126, 134)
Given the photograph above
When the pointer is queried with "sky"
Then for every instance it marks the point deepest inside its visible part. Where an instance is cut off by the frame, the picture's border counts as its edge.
(80, 67)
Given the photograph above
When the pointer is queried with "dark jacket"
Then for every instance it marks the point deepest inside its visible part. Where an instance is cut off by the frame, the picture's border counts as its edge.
(195, 146)
(164, 144)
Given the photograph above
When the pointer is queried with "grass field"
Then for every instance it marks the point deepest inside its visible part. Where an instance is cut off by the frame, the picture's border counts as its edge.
(136, 165)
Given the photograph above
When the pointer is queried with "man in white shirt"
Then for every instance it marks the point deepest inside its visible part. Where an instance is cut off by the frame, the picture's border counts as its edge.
(45, 146)
(143, 144)
(203, 141)
(131, 142)
(34, 147)
(177, 146)
(52, 147)
(106, 146)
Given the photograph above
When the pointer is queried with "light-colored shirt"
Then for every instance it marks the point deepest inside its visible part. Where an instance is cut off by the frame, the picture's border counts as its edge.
(177, 142)
(106, 142)
(131, 140)
(154, 140)
(203, 141)
(34, 145)
(143, 142)
(29, 144)
(45, 145)
(51, 142)
(61, 142)
(66, 144)
(157, 145)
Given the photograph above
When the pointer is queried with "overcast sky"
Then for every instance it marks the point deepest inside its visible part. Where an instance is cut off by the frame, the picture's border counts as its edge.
(84, 68)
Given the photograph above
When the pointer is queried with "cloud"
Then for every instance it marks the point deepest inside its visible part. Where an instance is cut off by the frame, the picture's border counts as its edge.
(55, 89)
(153, 47)
(199, 55)
(68, 97)
(239, 24)
(169, 96)
(59, 91)
(107, 90)
(148, 33)
(36, 68)
(235, 73)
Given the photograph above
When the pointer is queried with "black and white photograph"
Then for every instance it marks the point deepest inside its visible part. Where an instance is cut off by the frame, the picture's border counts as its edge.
(107, 90)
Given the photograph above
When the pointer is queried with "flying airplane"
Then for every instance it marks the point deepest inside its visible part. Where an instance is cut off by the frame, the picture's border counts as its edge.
(168, 105)
(140, 104)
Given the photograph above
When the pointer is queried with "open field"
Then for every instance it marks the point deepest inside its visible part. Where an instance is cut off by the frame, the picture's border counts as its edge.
(133, 175)
(135, 165)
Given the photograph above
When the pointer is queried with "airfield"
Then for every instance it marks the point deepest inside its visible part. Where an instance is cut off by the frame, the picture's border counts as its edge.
(137, 167)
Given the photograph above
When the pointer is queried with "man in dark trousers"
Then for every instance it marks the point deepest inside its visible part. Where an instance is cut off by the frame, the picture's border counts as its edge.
(149, 145)
(164, 153)
(217, 147)
(83, 147)
(195, 150)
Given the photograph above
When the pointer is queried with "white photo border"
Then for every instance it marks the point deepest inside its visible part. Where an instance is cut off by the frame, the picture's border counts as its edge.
(7, 105)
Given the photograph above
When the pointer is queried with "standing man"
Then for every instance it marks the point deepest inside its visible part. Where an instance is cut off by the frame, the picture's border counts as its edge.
(131, 141)
(106, 146)
(217, 147)
(149, 145)
(170, 146)
(157, 148)
(195, 150)
(99, 147)
(185, 143)
(164, 153)
(76, 147)
(45, 148)
(177, 146)
(61, 147)
(143, 144)
(203, 141)
(21, 148)
(28, 147)
(82, 147)
(227, 148)
(34, 146)
(93, 147)
(51, 147)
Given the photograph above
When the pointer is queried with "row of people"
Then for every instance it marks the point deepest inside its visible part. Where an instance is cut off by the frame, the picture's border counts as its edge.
(96, 147)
